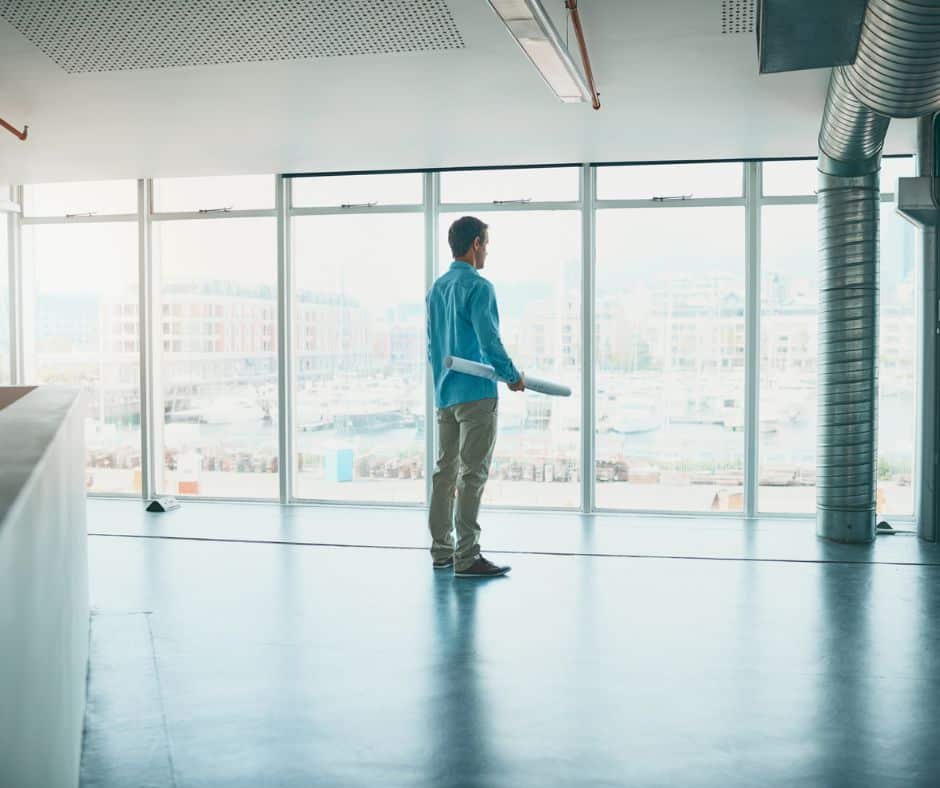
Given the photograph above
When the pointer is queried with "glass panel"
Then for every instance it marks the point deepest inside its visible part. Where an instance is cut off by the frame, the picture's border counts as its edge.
(670, 359)
(789, 298)
(82, 290)
(217, 357)
(233, 193)
(360, 350)
(90, 197)
(894, 168)
(4, 304)
(897, 352)
(645, 181)
(789, 178)
(547, 184)
(534, 263)
(333, 191)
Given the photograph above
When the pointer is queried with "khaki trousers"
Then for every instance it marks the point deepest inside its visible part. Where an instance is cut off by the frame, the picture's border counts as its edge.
(466, 437)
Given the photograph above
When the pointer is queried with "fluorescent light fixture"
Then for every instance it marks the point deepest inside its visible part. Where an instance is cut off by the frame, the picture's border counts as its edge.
(531, 26)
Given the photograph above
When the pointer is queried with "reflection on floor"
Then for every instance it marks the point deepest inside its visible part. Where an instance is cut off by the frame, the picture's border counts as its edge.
(263, 664)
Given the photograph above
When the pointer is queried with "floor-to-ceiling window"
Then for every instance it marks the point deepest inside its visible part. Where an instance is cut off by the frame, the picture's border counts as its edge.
(534, 262)
(215, 264)
(669, 338)
(897, 351)
(789, 297)
(358, 255)
(669, 359)
(787, 443)
(79, 258)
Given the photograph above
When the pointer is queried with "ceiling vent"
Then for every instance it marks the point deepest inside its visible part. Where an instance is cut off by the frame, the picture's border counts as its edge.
(85, 36)
(737, 16)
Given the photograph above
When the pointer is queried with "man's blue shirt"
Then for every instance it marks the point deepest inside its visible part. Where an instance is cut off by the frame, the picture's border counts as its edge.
(463, 321)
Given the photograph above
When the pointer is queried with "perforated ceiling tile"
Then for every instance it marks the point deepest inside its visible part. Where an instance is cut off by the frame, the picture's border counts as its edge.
(737, 16)
(117, 35)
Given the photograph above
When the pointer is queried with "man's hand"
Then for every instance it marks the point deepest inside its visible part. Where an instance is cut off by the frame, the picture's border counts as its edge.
(519, 385)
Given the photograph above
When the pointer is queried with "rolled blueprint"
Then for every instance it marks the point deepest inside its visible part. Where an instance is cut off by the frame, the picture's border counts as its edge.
(486, 371)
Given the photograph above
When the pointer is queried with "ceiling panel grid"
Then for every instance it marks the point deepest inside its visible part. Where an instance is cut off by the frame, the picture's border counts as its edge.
(85, 36)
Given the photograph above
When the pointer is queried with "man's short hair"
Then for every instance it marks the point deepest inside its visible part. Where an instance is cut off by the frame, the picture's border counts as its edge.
(463, 232)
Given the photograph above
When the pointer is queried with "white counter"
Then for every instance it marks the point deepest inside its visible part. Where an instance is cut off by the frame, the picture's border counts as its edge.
(43, 587)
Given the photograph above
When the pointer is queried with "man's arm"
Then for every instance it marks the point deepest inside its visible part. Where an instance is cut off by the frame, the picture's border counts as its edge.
(485, 318)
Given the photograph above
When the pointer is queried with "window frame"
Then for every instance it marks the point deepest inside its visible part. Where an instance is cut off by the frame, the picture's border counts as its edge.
(17, 311)
(152, 343)
(431, 207)
(745, 201)
(288, 268)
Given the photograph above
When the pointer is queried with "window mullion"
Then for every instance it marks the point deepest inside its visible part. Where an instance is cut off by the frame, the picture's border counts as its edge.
(752, 281)
(146, 327)
(15, 272)
(588, 271)
(431, 218)
(285, 355)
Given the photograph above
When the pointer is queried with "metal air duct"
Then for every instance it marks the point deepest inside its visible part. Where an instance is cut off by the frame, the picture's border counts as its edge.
(896, 74)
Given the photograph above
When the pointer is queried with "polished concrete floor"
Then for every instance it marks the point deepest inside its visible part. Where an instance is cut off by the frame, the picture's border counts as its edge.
(619, 652)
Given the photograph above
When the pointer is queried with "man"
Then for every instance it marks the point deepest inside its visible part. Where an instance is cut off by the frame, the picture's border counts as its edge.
(463, 321)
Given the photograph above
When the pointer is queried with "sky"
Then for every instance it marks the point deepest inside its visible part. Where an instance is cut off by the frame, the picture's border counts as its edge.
(81, 258)
(376, 259)
(235, 250)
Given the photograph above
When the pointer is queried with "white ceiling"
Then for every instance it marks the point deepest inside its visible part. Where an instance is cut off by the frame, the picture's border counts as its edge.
(672, 87)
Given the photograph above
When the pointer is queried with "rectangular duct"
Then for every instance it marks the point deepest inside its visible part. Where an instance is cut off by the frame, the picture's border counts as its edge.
(918, 202)
(798, 34)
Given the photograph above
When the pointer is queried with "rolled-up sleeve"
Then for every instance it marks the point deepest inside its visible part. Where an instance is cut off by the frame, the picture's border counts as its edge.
(485, 318)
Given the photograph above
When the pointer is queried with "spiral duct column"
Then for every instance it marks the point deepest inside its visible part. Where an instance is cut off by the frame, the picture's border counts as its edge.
(896, 73)
(847, 388)
(850, 142)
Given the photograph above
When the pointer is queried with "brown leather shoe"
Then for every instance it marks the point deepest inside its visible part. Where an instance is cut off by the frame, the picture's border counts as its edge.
(482, 568)
(444, 563)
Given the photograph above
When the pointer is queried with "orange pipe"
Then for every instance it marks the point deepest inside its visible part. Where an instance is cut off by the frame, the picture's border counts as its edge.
(572, 6)
(13, 130)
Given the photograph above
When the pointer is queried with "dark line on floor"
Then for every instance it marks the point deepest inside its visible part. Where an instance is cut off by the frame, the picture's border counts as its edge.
(166, 727)
(561, 554)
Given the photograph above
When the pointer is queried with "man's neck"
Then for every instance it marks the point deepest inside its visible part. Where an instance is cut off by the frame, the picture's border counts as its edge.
(468, 260)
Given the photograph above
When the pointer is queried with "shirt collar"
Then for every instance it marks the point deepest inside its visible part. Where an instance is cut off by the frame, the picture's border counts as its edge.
(463, 264)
